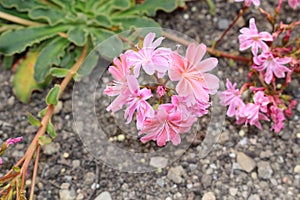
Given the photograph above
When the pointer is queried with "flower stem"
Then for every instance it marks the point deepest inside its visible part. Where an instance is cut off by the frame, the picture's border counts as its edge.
(18, 20)
(242, 11)
(209, 50)
(34, 147)
(35, 172)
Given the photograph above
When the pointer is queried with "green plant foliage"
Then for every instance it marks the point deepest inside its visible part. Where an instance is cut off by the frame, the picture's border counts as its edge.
(44, 139)
(50, 55)
(61, 28)
(24, 83)
(59, 72)
(51, 131)
(33, 120)
(52, 97)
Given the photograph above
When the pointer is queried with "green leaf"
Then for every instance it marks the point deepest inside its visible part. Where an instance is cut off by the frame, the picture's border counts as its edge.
(7, 62)
(16, 41)
(129, 22)
(102, 20)
(59, 72)
(33, 120)
(211, 6)
(78, 35)
(150, 7)
(108, 6)
(50, 55)
(51, 130)
(44, 139)
(24, 83)
(52, 16)
(16, 169)
(52, 97)
(42, 113)
(20, 5)
(87, 66)
(99, 35)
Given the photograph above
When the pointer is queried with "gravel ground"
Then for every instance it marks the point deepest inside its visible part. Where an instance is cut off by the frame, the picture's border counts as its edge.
(244, 164)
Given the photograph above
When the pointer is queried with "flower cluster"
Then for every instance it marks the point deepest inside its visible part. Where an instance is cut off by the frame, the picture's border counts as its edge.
(177, 108)
(8, 142)
(270, 64)
(292, 3)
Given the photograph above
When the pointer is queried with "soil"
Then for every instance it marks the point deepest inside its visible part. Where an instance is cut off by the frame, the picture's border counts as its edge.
(68, 171)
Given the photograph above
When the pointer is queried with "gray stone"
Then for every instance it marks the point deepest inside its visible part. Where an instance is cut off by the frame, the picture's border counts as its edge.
(66, 194)
(254, 197)
(11, 101)
(175, 174)
(224, 137)
(233, 191)
(264, 170)
(76, 163)
(245, 162)
(51, 148)
(223, 24)
(58, 107)
(206, 180)
(89, 178)
(104, 196)
(159, 162)
(297, 169)
(266, 154)
(160, 182)
(209, 196)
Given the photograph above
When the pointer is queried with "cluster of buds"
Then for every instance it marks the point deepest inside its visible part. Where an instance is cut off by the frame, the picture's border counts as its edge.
(173, 110)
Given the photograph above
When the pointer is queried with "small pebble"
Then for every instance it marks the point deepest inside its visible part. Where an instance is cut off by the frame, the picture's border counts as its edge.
(186, 16)
(121, 137)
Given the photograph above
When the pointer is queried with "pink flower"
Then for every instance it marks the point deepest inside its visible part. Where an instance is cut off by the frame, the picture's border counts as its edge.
(249, 114)
(184, 105)
(1, 161)
(250, 37)
(137, 101)
(231, 97)
(273, 65)
(161, 91)
(165, 126)
(190, 72)
(248, 2)
(150, 57)
(294, 3)
(261, 100)
(119, 87)
(277, 117)
(13, 141)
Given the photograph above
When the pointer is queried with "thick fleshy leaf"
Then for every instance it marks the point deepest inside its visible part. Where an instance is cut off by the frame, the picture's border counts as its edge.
(150, 7)
(102, 20)
(24, 83)
(107, 6)
(7, 62)
(99, 35)
(128, 22)
(78, 35)
(12, 42)
(52, 97)
(50, 55)
(20, 5)
(52, 16)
